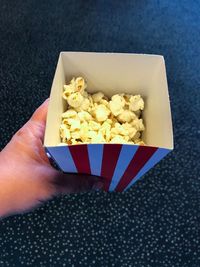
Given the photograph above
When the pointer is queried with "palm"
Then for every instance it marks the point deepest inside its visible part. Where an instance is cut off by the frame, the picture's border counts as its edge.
(34, 180)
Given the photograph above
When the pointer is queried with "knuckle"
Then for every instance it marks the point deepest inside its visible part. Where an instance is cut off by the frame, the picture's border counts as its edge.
(20, 136)
(21, 132)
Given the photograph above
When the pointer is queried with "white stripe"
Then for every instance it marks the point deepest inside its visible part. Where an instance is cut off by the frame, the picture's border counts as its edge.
(95, 152)
(63, 158)
(125, 157)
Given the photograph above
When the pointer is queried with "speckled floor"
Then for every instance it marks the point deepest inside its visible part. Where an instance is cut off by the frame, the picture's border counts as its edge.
(157, 222)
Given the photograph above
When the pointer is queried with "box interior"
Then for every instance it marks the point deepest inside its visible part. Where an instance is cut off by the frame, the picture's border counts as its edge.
(114, 73)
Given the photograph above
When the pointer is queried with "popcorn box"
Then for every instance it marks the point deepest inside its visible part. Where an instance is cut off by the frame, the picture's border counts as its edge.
(121, 165)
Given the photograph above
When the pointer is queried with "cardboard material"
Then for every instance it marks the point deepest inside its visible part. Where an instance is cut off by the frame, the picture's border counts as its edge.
(120, 165)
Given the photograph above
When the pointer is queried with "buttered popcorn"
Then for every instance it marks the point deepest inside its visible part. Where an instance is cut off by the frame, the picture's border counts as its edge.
(93, 118)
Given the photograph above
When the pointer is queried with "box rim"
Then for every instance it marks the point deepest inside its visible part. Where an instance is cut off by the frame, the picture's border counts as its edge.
(161, 57)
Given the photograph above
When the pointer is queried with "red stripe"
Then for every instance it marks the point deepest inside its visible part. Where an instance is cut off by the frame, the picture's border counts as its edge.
(110, 157)
(142, 155)
(81, 159)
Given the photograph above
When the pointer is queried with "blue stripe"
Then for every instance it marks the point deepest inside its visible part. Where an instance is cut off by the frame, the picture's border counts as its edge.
(156, 157)
(95, 152)
(63, 158)
(125, 157)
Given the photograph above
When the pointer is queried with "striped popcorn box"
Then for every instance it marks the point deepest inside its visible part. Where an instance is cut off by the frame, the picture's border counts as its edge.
(121, 165)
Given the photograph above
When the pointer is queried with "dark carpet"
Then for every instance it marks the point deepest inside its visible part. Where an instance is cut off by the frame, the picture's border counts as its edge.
(157, 222)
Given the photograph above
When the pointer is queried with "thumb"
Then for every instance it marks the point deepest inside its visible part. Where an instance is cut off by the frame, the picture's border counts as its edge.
(38, 120)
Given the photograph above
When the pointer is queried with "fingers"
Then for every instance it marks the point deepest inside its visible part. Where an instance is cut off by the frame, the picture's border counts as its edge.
(75, 183)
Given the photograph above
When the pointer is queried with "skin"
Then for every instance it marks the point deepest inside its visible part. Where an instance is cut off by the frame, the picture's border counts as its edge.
(27, 179)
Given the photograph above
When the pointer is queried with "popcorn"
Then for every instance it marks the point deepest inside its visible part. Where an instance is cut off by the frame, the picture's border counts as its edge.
(107, 135)
(75, 142)
(126, 138)
(69, 114)
(138, 124)
(94, 125)
(104, 102)
(105, 130)
(137, 135)
(68, 90)
(138, 113)
(92, 134)
(102, 113)
(116, 104)
(75, 135)
(126, 116)
(118, 139)
(131, 130)
(97, 119)
(85, 94)
(104, 127)
(80, 84)
(139, 142)
(109, 121)
(84, 116)
(64, 133)
(65, 123)
(85, 104)
(75, 100)
(75, 124)
(98, 138)
(119, 129)
(97, 97)
(91, 100)
(136, 103)
(84, 132)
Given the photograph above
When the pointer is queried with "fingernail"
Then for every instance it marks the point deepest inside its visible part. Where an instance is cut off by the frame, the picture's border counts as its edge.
(47, 100)
(97, 186)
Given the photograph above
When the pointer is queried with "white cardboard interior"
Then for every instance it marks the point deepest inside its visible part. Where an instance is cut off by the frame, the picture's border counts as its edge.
(114, 73)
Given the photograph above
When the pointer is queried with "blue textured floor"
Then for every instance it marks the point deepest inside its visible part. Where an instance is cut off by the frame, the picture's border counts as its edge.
(157, 222)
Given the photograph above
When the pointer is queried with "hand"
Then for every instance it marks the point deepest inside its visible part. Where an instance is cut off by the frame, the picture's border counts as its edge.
(26, 177)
